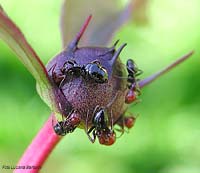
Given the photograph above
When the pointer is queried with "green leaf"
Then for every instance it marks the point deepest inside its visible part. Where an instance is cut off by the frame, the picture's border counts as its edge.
(12, 35)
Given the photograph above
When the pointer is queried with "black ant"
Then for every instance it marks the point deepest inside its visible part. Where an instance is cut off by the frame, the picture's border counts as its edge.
(133, 72)
(100, 129)
(100, 126)
(68, 125)
(93, 71)
(59, 129)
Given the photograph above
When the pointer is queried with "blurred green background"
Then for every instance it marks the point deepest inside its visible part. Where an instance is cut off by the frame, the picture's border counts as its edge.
(166, 137)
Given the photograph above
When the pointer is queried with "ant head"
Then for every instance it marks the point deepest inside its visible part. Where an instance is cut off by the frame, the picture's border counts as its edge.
(59, 129)
(106, 137)
(133, 68)
(96, 72)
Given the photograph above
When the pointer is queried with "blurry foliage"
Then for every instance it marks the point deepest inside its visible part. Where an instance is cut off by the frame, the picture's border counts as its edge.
(165, 138)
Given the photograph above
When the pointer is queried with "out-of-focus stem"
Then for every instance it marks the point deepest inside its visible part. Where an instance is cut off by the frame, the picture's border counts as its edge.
(155, 76)
(39, 149)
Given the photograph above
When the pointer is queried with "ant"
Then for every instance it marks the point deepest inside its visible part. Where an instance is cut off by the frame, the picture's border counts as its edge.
(68, 125)
(100, 129)
(133, 72)
(93, 71)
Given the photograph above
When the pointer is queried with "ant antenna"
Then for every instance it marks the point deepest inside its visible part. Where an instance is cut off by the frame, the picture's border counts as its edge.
(109, 104)
(115, 44)
(86, 122)
(110, 49)
(111, 120)
(52, 67)
(90, 130)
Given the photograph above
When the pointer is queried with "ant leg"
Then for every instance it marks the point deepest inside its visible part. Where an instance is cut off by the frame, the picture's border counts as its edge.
(111, 120)
(137, 88)
(86, 122)
(120, 123)
(61, 80)
(90, 130)
(56, 77)
(126, 121)
(139, 72)
(94, 134)
(71, 122)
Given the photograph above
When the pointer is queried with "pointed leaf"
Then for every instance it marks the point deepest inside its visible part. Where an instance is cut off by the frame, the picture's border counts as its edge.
(107, 18)
(155, 76)
(12, 35)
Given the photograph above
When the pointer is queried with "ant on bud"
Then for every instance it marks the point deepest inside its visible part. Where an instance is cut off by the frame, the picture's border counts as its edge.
(91, 67)
(133, 72)
(68, 125)
(92, 71)
(100, 129)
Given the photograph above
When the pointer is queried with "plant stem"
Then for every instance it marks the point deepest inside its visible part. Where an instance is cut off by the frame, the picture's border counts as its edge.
(39, 150)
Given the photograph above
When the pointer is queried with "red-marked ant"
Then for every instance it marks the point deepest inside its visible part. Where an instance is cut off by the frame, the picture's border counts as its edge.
(68, 125)
(134, 90)
(100, 129)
